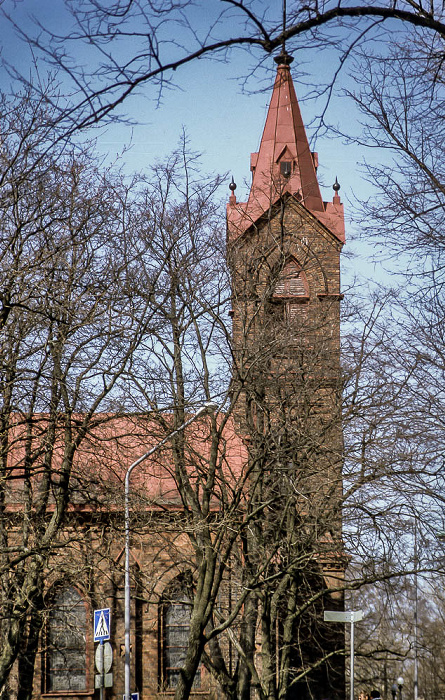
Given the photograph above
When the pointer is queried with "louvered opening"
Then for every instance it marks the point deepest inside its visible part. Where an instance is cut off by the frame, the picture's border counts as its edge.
(291, 282)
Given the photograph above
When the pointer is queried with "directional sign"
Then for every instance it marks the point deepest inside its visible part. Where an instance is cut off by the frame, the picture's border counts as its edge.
(133, 696)
(347, 616)
(102, 625)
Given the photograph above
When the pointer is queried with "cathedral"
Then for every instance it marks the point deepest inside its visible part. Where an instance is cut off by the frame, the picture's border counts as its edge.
(233, 606)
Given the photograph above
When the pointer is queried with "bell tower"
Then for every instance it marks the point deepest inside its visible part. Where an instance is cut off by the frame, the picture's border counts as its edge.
(284, 248)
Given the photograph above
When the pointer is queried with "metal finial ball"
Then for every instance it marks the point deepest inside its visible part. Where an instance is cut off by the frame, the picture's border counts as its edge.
(232, 186)
(283, 59)
(336, 186)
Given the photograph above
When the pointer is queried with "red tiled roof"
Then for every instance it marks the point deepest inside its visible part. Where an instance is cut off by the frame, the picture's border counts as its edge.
(104, 456)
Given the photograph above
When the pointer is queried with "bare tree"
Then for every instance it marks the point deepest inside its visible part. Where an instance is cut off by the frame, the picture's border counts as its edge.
(403, 619)
(274, 539)
(130, 45)
(67, 338)
(400, 96)
(127, 310)
(258, 546)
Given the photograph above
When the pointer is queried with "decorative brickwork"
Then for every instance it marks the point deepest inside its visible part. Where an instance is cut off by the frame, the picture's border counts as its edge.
(267, 540)
(285, 262)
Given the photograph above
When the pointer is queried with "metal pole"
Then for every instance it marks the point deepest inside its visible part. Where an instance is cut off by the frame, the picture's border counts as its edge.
(127, 595)
(102, 671)
(352, 659)
(416, 650)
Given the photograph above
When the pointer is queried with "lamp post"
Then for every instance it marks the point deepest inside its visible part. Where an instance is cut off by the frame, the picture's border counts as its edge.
(350, 616)
(416, 622)
(208, 407)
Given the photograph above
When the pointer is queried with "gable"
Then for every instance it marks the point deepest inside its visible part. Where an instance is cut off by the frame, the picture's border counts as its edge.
(242, 223)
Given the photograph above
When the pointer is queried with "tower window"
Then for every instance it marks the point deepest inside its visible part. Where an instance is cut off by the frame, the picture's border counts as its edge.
(296, 312)
(291, 282)
(286, 168)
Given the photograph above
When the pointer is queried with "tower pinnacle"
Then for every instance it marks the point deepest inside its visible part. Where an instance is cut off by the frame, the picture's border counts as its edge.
(284, 164)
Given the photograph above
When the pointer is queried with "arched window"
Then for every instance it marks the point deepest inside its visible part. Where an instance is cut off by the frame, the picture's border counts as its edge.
(291, 294)
(291, 282)
(65, 649)
(175, 613)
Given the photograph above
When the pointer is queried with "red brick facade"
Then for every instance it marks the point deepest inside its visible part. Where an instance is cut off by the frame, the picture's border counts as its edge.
(284, 249)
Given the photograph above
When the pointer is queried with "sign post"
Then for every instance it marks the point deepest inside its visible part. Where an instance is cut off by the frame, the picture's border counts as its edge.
(347, 616)
(104, 652)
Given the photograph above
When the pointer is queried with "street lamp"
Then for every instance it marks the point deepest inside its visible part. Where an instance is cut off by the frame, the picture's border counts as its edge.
(400, 686)
(416, 622)
(209, 406)
(350, 616)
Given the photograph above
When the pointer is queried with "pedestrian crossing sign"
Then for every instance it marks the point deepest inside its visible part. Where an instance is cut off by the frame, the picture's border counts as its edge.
(102, 625)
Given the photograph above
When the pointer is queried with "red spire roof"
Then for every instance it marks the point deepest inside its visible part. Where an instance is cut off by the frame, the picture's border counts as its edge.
(284, 163)
(284, 141)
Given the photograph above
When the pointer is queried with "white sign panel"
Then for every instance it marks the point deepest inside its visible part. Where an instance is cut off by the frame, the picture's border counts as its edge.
(104, 657)
(340, 616)
(107, 680)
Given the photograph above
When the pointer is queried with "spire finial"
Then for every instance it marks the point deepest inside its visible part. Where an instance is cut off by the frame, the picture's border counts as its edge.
(336, 188)
(284, 59)
(232, 188)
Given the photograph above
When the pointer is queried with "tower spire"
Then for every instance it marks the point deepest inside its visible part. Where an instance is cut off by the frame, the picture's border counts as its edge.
(284, 148)
(284, 163)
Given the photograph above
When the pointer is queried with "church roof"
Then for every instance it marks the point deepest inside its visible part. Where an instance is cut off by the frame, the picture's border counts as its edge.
(101, 461)
(284, 164)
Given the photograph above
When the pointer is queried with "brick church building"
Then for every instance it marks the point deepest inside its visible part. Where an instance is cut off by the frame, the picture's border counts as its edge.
(249, 568)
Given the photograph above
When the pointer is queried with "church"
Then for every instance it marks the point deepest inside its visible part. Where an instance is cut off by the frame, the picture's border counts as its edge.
(235, 528)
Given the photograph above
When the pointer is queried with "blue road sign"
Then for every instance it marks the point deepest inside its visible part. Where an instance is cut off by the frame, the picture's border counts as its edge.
(102, 625)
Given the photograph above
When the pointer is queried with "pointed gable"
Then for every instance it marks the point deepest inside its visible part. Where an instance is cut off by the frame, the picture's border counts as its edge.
(284, 164)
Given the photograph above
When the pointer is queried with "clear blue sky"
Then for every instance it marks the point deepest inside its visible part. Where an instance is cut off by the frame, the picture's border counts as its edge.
(222, 121)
